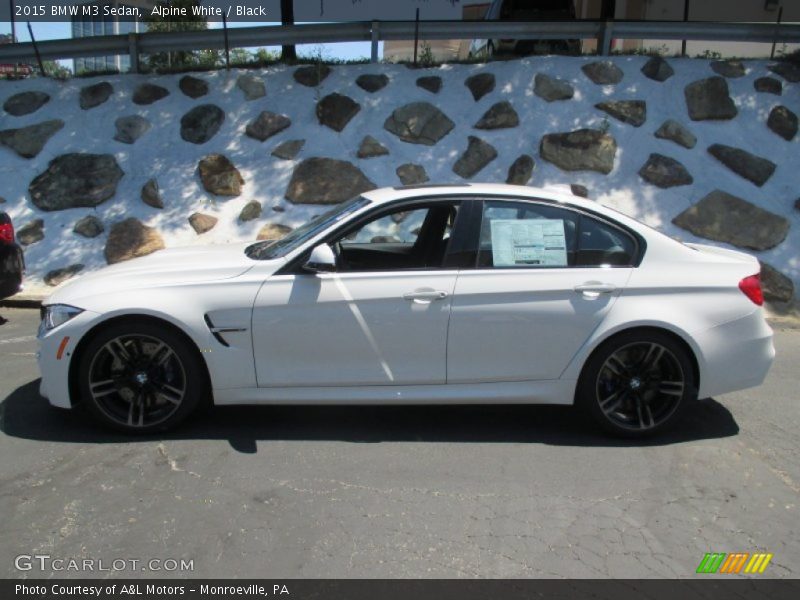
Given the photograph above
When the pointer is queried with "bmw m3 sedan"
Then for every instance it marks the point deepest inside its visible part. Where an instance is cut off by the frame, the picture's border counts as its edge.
(417, 295)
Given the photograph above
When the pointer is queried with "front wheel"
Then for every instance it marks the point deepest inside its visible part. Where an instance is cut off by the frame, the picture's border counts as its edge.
(637, 383)
(140, 378)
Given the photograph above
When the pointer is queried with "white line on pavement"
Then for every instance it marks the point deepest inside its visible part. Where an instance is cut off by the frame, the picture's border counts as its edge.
(18, 340)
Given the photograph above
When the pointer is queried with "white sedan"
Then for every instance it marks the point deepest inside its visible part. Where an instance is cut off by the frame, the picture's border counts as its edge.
(417, 295)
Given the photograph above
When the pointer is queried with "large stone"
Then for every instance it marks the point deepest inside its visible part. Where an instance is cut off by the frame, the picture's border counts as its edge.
(790, 72)
(131, 239)
(193, 87)
(312, 75)
(147, 93)
(273, 231)
(73, 180)
(603, 72)
(419, 123)
(252, 86)
(477, 155)
(59, 276)
(722, 217)
(372, 83)
(411, 174)
(674, 131)
(579, 190)
(521, 170)
(480, 85)
(370, 147)
(130, 128)
(664, 172)
(266, 125)
(708, 99)
(336, 110)
(252, 210)
(326, 181)
(202, 223)
(776, 286)
(95, 95)
(657, 69)
(29, 141)
(580, 150)
(151, 194)
(88, 227)
(201, 123)
(25, 103)
(500, 116)
(31, 232)
(219, 176)
(751, 167)
(430, 83)
(728, 68)
(288, 149)
(782, 121)
(768, 85)
(551, 88)
(633, 112)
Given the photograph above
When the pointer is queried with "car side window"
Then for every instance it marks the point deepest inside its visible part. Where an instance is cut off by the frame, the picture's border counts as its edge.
(601, 244)
(407, 238)
(526, 235)
(398, 227)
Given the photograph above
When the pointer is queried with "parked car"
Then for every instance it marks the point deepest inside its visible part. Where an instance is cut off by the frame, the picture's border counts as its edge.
(421, 295)
(12, 261)
(527, 10)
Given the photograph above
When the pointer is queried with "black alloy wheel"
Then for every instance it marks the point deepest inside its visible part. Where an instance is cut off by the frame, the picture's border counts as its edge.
(637, 384)
(141, 378)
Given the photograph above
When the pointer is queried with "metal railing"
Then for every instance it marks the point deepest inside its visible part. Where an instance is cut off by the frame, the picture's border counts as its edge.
(376, 31)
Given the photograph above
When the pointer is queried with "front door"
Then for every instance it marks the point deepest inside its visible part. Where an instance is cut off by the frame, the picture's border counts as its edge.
(380, 319)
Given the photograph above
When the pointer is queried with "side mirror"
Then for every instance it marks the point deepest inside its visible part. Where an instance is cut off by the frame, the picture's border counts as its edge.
(322, 260)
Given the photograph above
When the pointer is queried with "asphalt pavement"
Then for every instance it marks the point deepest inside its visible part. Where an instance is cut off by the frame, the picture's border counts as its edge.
(318, 492)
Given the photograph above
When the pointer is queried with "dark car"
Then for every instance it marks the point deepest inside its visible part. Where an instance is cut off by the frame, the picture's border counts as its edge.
(12, 261)
(527, 10)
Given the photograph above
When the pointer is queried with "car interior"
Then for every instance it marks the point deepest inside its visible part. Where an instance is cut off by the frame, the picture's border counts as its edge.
(409, 239)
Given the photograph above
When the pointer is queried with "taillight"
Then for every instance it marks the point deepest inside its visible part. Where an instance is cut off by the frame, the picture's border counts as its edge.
(6, 233)
(751, 286)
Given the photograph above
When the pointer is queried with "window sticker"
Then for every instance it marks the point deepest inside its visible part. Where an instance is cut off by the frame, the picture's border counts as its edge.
(529, 242)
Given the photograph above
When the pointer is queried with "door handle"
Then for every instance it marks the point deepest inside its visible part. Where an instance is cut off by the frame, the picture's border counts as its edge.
(592, 289)
(425, 296)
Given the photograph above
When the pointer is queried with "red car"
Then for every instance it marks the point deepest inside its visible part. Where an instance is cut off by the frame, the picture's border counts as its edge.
(12, 261)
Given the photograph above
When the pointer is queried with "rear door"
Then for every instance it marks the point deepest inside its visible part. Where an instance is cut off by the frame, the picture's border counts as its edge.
(544, 278)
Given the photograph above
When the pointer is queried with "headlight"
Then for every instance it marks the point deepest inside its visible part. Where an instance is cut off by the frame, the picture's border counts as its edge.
(55, 315)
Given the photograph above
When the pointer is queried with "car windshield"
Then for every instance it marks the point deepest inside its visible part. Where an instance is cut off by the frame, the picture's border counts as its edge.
(275, 248)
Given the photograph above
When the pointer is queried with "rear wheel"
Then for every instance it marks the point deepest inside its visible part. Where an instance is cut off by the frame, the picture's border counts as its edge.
(637, 383)
(141, 377)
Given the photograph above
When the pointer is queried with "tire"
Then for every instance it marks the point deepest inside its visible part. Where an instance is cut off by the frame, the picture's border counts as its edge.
(637, 384)
(141, 377)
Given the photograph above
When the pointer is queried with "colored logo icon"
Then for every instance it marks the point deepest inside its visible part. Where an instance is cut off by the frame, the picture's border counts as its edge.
(734, 563)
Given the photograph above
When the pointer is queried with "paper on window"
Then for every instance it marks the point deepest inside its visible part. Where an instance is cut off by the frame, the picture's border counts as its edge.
(528, 242)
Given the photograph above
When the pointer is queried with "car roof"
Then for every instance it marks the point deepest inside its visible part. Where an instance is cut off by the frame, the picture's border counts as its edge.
(480, 191)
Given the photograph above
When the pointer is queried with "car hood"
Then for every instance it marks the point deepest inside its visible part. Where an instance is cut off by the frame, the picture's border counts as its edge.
(175, 266)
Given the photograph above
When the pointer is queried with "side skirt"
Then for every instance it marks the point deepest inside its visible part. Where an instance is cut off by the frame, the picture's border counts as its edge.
(555, 391)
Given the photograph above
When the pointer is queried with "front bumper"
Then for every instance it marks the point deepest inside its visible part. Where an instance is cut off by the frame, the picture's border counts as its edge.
(55, 354)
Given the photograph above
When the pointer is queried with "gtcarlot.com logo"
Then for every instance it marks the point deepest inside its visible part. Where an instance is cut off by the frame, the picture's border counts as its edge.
(45, 562)
(734, 563)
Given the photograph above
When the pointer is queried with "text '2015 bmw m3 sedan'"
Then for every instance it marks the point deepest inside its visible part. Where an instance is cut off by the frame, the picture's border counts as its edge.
(420, 295)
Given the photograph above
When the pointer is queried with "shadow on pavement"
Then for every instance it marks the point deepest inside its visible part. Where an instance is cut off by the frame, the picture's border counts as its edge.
(25, 414)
